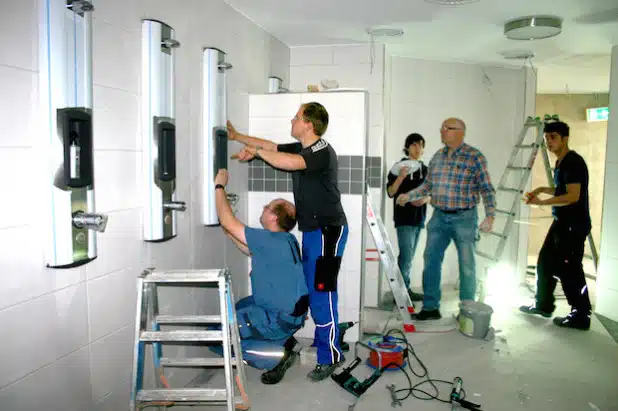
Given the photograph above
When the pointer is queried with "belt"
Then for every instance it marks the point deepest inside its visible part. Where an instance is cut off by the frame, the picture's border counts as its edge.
(455, 210)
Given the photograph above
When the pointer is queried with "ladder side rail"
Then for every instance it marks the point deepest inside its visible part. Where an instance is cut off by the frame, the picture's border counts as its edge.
(141, 319)
(227, 355)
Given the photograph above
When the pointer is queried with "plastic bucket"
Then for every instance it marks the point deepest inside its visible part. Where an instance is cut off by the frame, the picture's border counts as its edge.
(474, 319)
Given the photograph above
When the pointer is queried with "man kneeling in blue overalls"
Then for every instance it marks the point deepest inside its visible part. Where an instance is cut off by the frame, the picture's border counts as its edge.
(269, 318)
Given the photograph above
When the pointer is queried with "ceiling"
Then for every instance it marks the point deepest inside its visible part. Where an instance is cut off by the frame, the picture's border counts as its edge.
(468, 33)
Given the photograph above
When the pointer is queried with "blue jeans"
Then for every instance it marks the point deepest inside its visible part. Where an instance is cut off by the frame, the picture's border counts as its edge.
(407, 237)
(460, 227)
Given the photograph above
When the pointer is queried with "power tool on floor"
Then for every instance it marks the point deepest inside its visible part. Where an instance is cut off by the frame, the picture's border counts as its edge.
(457, 399)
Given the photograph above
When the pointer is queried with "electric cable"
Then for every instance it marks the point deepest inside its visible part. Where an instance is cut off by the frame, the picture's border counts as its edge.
(412, 390)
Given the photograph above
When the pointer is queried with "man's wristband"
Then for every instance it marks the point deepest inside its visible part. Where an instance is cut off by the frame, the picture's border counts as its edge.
(221, 186)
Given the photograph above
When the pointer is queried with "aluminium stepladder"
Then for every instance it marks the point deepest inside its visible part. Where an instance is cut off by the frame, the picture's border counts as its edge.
(390, 266)
(523, 171)
(148, 331)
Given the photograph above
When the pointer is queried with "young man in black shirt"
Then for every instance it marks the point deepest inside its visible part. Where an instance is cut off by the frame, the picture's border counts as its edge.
(314, 166)
(563, 250)
(409, 218)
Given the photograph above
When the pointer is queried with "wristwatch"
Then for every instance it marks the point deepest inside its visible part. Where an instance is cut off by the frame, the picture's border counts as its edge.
(219, 186)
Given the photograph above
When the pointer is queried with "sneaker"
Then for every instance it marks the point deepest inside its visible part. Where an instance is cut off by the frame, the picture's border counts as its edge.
(415, 296)
(276, 374)
(574, 320)
(428, 315)
(533, 310)
(322, 371)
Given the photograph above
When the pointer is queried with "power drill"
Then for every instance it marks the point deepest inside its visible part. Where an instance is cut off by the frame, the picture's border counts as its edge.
(457, 400)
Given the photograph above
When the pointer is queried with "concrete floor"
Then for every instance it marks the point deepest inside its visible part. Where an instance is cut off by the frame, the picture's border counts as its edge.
(529, 365)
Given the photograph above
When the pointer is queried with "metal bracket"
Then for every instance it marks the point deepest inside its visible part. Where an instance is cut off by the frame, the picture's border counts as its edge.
(170, 43)
(224, 66)
(80, 6)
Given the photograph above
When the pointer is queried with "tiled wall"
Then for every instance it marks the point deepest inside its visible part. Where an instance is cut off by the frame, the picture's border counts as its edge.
(420, 96)
(68, 334)
(347, 134)
(607, 283)
(263, 177)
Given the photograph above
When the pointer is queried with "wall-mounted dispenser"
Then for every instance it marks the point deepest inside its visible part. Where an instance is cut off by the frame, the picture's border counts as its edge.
(214, 131)
(159, 131)
(65, 69)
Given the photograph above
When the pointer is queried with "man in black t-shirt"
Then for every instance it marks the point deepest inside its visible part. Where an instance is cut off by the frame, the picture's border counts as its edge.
(409, 218)
(313, 164)
(563, 250)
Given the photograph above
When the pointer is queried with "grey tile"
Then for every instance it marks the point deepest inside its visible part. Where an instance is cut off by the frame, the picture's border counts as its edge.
(282, 186)
(269, 185)
(250, 185)
(376, 162)
(344, 188)
(343, 175)
(270, 173)
(258, 173)
(356, 176)
(356, 162)
(375, 182)
(356, 188)
(258, 185)
(344, 161)
(250, 173)
(290, 186)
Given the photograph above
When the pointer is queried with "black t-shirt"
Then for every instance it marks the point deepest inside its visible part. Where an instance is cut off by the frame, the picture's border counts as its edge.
(573, 170)
(316, 193)
(408, 214)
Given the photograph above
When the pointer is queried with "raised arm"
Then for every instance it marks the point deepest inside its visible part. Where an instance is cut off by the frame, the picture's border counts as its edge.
(227, 219)
(234, 135)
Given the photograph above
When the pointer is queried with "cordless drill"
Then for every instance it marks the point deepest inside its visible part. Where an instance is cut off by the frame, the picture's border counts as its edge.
(343, 327)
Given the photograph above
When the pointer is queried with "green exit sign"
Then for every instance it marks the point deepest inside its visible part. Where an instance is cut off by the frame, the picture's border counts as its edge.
(597, 114)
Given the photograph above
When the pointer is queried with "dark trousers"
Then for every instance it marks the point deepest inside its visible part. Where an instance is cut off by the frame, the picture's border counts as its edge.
(561, 258)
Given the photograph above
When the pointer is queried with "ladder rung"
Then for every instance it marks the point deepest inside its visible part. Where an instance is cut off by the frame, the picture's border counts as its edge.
(185, 395)
(525, 145)
(188, 319)
(181, 335)
(184, 276)
(504, 212)
(482, 254)
(195, 362)
(510, 189)
(497, 234)
(519, 168)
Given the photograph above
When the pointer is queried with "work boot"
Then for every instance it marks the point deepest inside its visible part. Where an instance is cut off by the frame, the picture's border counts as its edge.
(428, 315)
(531, 309)
(574, 320)
(415, 296)
(289, 357)
(322, 371)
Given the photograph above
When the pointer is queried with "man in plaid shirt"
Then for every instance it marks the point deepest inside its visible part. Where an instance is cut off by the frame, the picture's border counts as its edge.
(456, 180)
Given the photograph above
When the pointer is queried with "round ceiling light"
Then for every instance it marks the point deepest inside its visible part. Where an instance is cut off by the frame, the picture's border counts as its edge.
(533, 28)
(386, 32)
(451, 2)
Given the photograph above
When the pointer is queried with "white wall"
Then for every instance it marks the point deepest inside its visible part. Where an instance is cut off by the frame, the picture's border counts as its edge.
(68, 334)
(424, 93)
(607, 279)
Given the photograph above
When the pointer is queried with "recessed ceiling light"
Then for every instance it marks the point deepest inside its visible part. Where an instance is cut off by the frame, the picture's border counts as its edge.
(517, 54)
(451, 2)
(385, 32)
(533, 28)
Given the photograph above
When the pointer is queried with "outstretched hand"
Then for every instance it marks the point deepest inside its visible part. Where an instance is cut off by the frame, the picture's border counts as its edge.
(246, 154)
(232, 134)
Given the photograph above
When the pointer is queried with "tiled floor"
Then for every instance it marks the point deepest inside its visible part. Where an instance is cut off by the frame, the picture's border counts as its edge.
(530, 365)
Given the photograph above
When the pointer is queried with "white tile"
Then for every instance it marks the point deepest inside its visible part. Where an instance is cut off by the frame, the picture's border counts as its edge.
(117, 399)
(20, 197)
(116, 119)
(116, 180)
(376, 110)
(41, 330)
(111, 362)
(112, 45)
(274, 105)
(347, 104)
(353, 54)
(307, 56)
(19, 112)
(347, 135)
(61, 386)
(608, 273)
(129, 19)
(275, 129)
(111, 302)
(19, 34)
(121, 244)
(609, 234)
(375, 142)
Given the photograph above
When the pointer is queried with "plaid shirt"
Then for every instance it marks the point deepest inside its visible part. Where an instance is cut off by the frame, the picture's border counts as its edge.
(458, 182)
